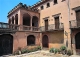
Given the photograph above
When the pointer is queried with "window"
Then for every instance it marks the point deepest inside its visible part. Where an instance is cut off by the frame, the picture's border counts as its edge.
(56, 22)
(42, 7)
(55, 1)
(46, 24)
(78, 17)
(48, 5)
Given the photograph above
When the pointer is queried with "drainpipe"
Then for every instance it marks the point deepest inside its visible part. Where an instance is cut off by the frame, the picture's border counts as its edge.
(68, 4)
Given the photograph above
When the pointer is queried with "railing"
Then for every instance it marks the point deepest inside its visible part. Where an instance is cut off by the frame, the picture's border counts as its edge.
(74, 24)
(28, 28)
(14, 27)
(6, 26)
(35, 29)
(52, 27)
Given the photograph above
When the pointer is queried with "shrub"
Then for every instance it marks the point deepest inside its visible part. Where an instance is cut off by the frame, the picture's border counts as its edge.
(59, 51)
(63, 48)
(53, 50)
(39, 47)
(69, 52)
(24, 50)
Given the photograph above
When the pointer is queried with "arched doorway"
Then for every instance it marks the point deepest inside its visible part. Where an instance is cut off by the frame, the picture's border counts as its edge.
(6, 44)
(77, 40)
(31, 40)
(45, 41)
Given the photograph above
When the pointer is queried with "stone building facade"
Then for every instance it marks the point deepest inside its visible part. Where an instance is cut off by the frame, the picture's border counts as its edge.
(48, 23)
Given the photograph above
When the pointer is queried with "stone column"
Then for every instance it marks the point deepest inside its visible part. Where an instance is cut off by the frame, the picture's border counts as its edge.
(11, 21)
(14, 21)
(41, 40)
(20, 20)
(31, 23)
(73, 45)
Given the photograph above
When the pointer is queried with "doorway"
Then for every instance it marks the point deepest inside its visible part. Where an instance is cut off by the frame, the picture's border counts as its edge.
(6, 44)
(45, 41)
(77, 40)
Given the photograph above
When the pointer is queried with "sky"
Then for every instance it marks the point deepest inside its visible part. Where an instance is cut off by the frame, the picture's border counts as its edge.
(7, 5)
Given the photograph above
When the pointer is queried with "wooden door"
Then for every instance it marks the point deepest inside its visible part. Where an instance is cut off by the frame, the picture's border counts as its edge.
(6, 44)
(46, 25)
(78, 17)
(45, 41)
(56, 22)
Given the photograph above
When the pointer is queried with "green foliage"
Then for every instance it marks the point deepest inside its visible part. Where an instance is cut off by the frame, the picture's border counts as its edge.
(53, 50)
(69, 52)
(24, 50)
(38, 48)
(63, 48)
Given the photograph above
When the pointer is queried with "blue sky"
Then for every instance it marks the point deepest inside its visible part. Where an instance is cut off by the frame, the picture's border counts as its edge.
(7, 5)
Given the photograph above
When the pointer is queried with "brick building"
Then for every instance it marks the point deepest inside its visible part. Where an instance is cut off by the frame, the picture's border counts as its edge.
(48, 23)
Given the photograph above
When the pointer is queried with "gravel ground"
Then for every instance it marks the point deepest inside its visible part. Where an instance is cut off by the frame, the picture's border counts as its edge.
(42, 53)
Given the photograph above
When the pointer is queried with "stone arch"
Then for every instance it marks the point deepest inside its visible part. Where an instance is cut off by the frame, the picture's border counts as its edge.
(45, 41)
(12, 19)
(77, 40)
(16, 19)
(26, 19)
(35, 21)
(6, 44)
(31, 40)
(9, 21)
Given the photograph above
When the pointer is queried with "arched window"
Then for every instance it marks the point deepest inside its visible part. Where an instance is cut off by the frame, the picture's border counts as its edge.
(31, 40)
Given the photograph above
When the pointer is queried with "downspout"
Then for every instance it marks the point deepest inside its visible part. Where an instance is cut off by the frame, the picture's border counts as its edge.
(68, 4)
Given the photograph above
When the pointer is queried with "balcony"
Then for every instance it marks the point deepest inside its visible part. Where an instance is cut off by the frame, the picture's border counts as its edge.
(52, 27)
(8, 27)
(12, 27)
(29, 28)
(74, 24)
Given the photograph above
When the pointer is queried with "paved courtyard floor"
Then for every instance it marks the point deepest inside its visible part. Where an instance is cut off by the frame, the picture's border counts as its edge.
(42, 53)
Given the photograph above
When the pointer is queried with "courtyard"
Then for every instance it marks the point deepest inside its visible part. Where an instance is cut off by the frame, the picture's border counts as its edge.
(41, 53)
